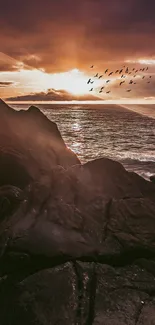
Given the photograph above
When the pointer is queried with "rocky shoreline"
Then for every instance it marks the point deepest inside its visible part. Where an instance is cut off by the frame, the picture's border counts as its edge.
(77, 242)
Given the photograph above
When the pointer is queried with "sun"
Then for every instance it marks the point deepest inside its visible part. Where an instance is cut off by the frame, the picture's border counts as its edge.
(74, 82)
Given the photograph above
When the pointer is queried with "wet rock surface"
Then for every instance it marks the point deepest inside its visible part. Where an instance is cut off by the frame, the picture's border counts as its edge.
(77, 242)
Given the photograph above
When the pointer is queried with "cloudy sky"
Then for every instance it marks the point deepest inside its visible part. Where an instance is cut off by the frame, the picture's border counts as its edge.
(47, 48)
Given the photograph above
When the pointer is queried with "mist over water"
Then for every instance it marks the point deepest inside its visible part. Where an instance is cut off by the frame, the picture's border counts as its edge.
(95, 131)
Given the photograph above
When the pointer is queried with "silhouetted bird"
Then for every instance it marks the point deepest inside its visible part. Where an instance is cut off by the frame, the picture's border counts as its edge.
(122, 82)
(130, 72)
(116, 71)
(96, 75)
(91, 89)
(120, 71)
(133, 69)
(128, 90)
(110, 73)
(100, 76)
(134, 83)
(92, 82)
(88, 82)
(100, 91)
(107, 81)
(143, 69)
(131, 82)
(92, 67)
(136, 71)
(106, 70)
(147, 68)
(107, 92)
(127, 70)
(134, 76)
(143, 77)
(122, 76)
(102, 88)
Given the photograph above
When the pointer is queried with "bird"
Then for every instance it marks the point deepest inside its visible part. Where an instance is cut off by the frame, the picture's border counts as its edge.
(91, 89)
(92, 67)
(107, 81)
(122, 76)
(127, 70)
(150, 77)
(133, 69)
(116, 71)
(143, 77)
(130, 72)
(110, 73)
(102, 88)
(134, 83)
(100, 76)
(88, 82)
(107, 92)
(147, 68)
(136, 71)
(92, 82)
(143, 69)
(100, 91)
(106, 70)
(131, 82)
(128, 90)
(96, 75)
(120, 71)
(134, 76)
(121, 82)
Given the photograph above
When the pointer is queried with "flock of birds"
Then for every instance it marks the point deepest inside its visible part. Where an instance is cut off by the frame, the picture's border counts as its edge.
(122, 73)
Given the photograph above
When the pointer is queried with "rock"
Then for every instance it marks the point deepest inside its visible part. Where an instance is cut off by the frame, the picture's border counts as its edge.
(77, 242)
(30, 145)
(152, 178)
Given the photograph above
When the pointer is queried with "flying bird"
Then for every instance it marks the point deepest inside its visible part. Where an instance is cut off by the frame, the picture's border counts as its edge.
(107, 92)
(131, 82)
(88, 82)
(122, 76)
(127, 70)
(122, 82)
(110, 73)
(143, 77)
(133, 69)
(92, 67)
(120, 71)
(91, 89)
(116, 71)
(106, 70)
(92, 82)
(147, 68)
(107, 81)
(96, 75)
(100, 91)
(102, 88)
(128, 90)
(100, 76)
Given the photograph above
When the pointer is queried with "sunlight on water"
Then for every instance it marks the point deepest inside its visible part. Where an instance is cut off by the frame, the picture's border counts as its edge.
(108, 131)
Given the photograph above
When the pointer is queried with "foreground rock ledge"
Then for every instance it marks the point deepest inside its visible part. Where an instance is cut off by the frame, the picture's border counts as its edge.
(77, 242)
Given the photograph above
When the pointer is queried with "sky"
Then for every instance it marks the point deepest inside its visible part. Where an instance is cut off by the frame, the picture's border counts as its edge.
(47, 48)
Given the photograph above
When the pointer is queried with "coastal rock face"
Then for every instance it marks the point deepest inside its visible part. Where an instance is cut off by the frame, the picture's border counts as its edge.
(30, 145)
(77, 242)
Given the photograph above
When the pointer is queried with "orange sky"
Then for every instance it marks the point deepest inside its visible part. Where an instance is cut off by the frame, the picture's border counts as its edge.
(48, 49)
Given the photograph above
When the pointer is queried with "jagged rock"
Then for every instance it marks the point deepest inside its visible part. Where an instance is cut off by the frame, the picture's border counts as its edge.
(30, 145)
(95, 220)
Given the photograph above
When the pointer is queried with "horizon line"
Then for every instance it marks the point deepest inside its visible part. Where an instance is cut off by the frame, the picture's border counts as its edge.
(91, 102)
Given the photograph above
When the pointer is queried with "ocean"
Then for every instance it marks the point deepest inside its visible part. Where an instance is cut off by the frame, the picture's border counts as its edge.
(125, 134)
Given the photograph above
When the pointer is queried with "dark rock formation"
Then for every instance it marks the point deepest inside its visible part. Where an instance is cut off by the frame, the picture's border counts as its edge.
(77, 242)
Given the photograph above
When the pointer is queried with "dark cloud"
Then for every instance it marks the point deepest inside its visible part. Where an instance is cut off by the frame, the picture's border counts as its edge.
(65, 34)
(53, 95)
(4, 84)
